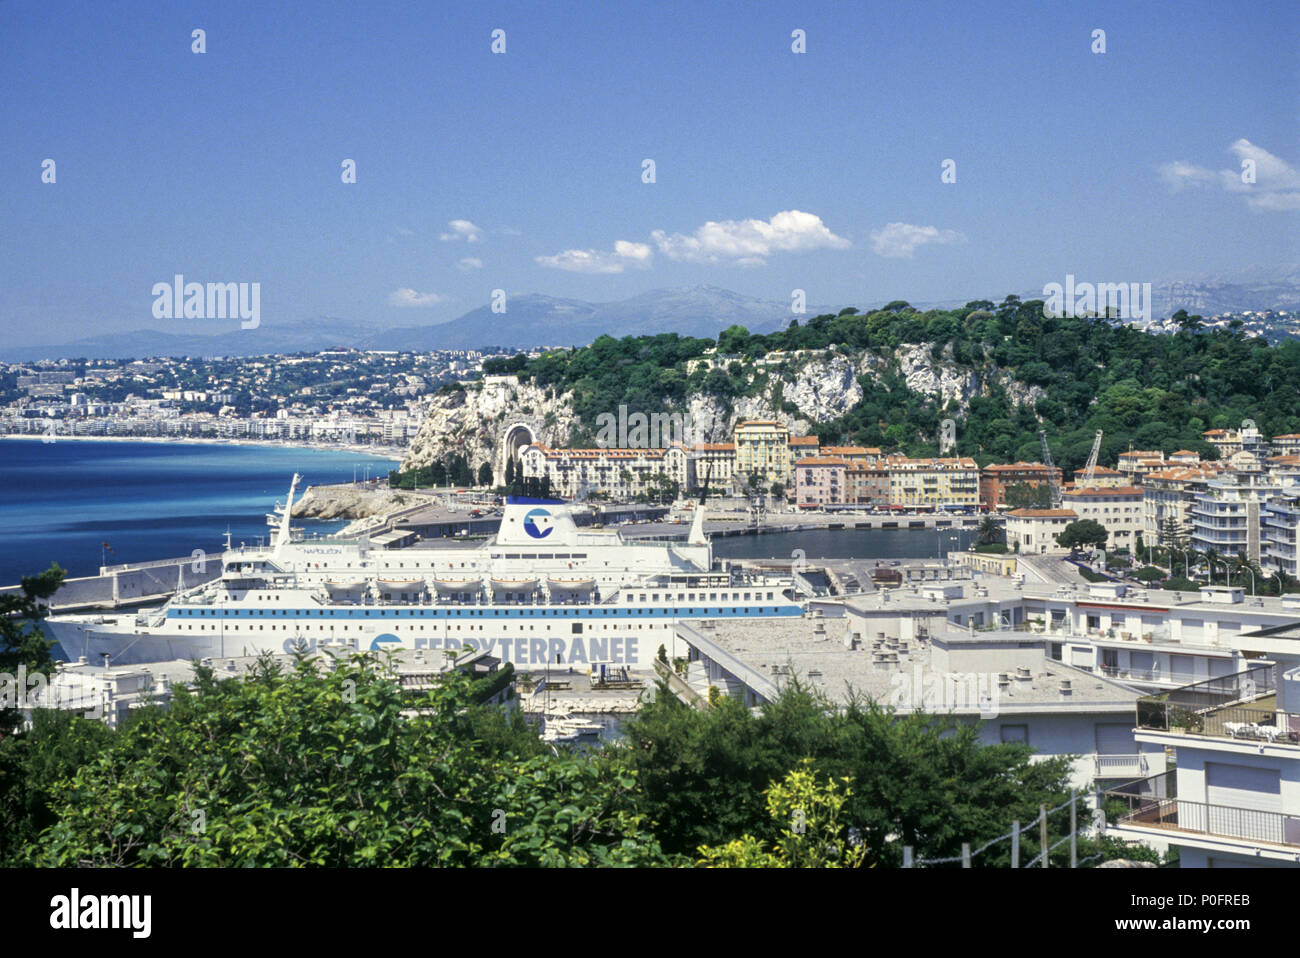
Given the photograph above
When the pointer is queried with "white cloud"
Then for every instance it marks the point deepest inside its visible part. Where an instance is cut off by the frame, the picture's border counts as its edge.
(512, 231)
(1277, 183)
(470, 262)
(409, 297)
(461, 230)
(403, 231)
(625, 255)
(900, 240)
(1276, 186)
(1180, 174)
(749, 242)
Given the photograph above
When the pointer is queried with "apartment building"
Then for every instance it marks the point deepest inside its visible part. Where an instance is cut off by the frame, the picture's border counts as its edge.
(1287, 445)
(805, 447)
(1006, 685)
(1170, 494)
(867, 454)
(618, 473)
(821, 481)
(996, 479)
(933, 483)
(1103, 477)
(1136, 463)
(1035, 530)
(1225, 441)
(711, 464)
(1226, 516)
(763, 450)
(1280, 533)
(1118, 508)
(868, 483)
(1233, 798)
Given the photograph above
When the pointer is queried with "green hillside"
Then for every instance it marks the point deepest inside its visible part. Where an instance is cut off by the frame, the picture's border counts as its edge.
(1144, 391)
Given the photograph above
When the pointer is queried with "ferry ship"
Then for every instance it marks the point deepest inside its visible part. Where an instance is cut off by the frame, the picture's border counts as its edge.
(540, 592)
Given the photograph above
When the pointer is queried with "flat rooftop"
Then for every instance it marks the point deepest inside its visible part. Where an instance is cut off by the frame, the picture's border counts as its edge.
(922, 596)
(765, 654)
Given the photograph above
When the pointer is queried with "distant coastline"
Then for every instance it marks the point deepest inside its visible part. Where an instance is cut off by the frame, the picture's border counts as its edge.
(378, 452)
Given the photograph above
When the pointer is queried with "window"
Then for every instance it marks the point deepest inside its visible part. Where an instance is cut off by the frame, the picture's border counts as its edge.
(1015, 733)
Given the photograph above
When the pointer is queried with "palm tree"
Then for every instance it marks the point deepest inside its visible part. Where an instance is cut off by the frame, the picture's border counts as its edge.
(989, 531)
(1244, 564)
(1211, 557)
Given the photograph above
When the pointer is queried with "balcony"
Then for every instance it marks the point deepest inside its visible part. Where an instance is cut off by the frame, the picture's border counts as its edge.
(1240, 706)
(1136, 765)
(1153, 803)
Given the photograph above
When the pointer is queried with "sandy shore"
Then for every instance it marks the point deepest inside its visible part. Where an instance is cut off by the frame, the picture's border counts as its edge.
(378, 452)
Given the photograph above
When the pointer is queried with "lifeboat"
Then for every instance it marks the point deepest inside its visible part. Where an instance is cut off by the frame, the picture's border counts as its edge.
(337, 587)
(402, 585)
(456, 586)
(519, 588)
(564, 586)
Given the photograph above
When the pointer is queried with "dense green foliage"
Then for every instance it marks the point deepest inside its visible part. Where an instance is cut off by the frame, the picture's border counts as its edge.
(332, 763)
(1083, 532)
(1154, 392)
(321, 767)
(455, 471)
(915, 779)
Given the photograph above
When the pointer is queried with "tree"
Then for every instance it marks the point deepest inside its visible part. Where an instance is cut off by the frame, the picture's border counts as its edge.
(338, 768)
(1084, 532)
(485, 474)
(989, 532)
(1026, 495)
(510, 470)
(23, 646)
(812, 833)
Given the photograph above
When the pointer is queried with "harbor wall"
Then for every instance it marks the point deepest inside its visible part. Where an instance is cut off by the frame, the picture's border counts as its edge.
(131, 584)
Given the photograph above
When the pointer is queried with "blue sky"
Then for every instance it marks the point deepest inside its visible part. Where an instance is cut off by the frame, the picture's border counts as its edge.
(820, 171)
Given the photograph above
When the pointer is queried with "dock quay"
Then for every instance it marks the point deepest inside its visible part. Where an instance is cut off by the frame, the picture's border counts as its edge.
(130, 584)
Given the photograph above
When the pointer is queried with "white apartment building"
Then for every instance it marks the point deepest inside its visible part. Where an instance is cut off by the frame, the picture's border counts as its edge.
(1226, 516)
(1035, 530)
(1280, 533)
(618, 473)
(1233, 799)
(1170, 494)
(1119, 509)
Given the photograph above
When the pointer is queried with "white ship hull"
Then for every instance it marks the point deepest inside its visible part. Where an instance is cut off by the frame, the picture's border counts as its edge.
(533, 636)
(541, 592)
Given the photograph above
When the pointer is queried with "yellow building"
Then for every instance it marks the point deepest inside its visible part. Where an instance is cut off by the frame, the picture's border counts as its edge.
(763, 449)
(933, 483)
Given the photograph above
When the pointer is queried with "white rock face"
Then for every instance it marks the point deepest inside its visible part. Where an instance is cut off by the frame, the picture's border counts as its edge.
(825, 390)
(474, 422)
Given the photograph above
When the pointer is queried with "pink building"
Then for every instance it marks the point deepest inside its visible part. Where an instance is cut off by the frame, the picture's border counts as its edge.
(821, 481)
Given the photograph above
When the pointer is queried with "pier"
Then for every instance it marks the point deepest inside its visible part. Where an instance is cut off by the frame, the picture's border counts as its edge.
(130, 584)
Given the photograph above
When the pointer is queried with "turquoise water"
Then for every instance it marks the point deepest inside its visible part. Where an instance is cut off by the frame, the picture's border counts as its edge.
(60, 501)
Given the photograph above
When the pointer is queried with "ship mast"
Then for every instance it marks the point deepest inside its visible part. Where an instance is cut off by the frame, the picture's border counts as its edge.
(282, 537)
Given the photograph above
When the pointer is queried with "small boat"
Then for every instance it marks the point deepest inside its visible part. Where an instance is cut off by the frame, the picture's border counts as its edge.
(336, 587)
(402, 585)
(456, 586)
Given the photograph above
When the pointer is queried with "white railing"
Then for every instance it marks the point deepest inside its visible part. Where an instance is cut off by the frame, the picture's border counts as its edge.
(1119, 766)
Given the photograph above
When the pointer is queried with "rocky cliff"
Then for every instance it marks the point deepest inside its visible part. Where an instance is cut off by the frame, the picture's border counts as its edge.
(348, 502)
(477, 419)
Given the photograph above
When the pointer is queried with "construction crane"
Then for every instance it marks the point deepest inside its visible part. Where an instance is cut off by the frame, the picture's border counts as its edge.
(1052, 479)
(1090, 470)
